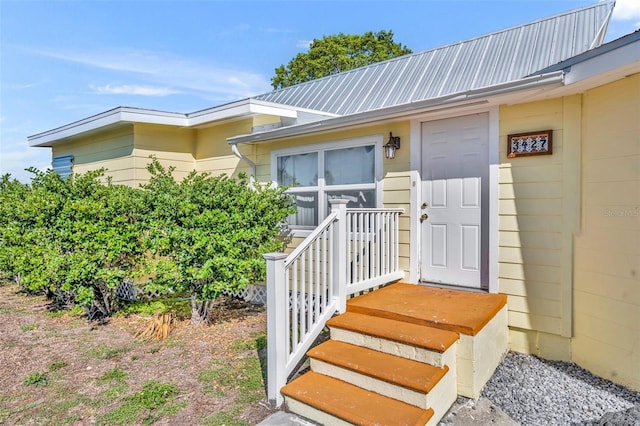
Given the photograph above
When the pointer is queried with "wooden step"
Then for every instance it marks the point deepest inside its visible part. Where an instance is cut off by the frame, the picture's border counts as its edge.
(331, 401)
(459, 311)
(404, 372)
(479, 318)
(418, 342)
(410, 381)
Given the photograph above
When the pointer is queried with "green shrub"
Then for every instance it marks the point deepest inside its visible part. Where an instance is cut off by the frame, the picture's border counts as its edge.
(73, 239)
(77, 239)
(208, 234)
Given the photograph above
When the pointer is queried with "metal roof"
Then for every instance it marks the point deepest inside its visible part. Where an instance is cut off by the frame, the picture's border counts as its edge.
(625, 40)
(483, 61)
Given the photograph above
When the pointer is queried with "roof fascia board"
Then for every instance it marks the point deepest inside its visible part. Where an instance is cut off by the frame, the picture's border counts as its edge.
(233, 110)
(137, 115)
(289, 110)
(105, 119)
(598, 51)
(604, 63)
(450, 101)
(247, 107)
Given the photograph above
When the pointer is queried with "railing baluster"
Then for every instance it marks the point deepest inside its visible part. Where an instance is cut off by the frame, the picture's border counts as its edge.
(358, 238)
(332, 290)
(309, 300)
(303, 283)
(386, 246)
(376, 245)
(316, 281)
(367, 246)
(288, 322)
(394, 241)
(295, 294)
(323, 281)
(352, 250)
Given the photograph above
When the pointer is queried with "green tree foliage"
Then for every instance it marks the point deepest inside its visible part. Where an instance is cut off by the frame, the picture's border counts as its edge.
(208, 234)
(336, 53)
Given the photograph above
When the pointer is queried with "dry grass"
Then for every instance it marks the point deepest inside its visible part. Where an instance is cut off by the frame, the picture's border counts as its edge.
(159, 328)
(60, 369)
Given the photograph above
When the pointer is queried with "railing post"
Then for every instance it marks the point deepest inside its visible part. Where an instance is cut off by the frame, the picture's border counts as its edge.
(340, 239)
(276, 327)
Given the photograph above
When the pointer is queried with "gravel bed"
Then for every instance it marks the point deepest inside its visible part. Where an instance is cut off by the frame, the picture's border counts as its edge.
(534, 391)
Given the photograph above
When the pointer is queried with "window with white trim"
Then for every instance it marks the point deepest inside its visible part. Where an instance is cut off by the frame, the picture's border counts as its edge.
(315, 174)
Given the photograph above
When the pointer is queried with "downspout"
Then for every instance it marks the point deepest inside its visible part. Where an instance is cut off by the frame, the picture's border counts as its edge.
(252, 165)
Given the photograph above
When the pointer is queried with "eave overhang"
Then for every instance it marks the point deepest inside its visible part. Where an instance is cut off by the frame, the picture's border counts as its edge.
(456, 100)
(119, 116)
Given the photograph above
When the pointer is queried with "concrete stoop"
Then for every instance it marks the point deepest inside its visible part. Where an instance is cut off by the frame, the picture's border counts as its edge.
(400, 356)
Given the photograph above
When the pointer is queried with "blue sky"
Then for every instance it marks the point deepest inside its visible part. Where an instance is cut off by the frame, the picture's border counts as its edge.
(61, 61)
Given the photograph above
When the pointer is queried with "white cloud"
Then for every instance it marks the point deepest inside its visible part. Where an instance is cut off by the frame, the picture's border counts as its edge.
(171, 70)
(303, 44)
(22, 86)
(131, 89)
(627, 10)
(274, 30)
(17, 156)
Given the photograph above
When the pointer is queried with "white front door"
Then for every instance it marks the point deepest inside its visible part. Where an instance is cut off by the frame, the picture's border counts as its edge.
(455, 189)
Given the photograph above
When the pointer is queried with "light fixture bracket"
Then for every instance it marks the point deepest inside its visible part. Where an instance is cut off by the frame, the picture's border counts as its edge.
(391, 146)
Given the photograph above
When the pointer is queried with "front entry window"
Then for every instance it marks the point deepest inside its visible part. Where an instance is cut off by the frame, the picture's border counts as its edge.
(325, 172)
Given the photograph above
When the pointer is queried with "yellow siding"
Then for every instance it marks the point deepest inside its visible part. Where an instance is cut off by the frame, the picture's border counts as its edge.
(212, 152)
(212, 141)
(172, 146)
(607, 252)
(549, 346)
(111, 150)
(532, 225)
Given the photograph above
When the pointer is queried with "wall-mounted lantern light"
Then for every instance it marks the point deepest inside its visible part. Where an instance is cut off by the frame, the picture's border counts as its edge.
(391, 146)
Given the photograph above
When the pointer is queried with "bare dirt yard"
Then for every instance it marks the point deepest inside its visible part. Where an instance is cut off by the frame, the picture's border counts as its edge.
(60, 369)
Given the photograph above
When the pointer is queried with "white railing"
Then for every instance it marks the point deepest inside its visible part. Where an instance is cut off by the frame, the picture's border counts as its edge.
(351, 251)
(372, 248)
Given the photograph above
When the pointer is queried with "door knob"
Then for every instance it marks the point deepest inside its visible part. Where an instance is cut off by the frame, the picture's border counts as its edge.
(424, 217)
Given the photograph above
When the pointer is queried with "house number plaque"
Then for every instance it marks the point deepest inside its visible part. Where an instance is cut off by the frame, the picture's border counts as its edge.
(531, 143)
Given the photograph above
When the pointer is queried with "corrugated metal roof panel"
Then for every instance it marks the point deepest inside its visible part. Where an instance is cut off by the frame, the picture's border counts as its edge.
(491, 59)
(467, 62)
(416, 69)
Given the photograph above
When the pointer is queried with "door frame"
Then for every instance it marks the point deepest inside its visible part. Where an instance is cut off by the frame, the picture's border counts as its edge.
(493, 198)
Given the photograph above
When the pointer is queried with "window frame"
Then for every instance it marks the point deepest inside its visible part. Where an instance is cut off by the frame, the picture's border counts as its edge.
(322, 188)
(63, 165)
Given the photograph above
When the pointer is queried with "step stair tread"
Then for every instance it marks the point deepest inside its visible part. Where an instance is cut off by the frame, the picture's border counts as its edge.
(404, 372)
(353, 404)
(422, 336)
(459, 311)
